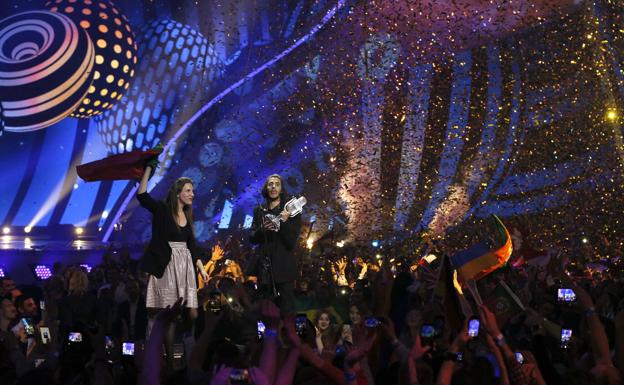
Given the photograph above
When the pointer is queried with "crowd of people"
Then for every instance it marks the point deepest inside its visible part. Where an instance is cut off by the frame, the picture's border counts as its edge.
(362, 316)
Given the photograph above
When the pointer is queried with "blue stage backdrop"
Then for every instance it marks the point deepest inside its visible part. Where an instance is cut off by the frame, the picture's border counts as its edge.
(390, 124)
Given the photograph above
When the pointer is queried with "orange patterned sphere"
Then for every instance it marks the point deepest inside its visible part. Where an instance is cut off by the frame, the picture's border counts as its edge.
(115, 51)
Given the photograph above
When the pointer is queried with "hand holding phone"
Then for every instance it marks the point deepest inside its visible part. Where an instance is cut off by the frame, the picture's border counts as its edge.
(566, 335)
(301, 322)
(214, 302)
(565, 295)
(427, 331)
(261, 329)
(44, 331)
(473, 327)
(127, 348)
(371, 322)
(74, 337)
(239, 376)
(29, 328)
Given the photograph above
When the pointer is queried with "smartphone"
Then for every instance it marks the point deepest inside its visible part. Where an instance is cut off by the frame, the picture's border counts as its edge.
(214, 301)
(459, 356)
(109, 344)
(566, 295)
(371, 322)
(29, 328)
(127, 348)
(301, 322)
(45, 334)
(74, 337)
(239, 376)
(341, 351)
(261, 329)
(427, 331)
(566, 335)
(519, 357)
(42, 305)
(473, 327)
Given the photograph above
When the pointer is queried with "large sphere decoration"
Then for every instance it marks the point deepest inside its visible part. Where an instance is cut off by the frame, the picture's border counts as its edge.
(46, 64)
(115, 51)
(1, 121)
(175, 62)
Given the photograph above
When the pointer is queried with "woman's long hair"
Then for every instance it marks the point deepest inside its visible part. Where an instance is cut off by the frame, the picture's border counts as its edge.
(172, 202)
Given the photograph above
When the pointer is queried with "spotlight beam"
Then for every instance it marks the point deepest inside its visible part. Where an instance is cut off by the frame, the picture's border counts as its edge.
(328, 16)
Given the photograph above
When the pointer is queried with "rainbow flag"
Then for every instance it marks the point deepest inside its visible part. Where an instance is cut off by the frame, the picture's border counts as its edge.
(483, 258)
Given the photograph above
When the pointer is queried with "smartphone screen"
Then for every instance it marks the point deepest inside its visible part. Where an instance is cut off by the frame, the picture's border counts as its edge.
(239, 376)
(300, 323)
(566, 335)
(371, 322)
(565, 295)
(127, 348)
(519, 357)
(75, 337)
(42, 305)
(214, 302)
(45, 334)
(261, 329)
(473, 327)
(427, 331)
(109, 344)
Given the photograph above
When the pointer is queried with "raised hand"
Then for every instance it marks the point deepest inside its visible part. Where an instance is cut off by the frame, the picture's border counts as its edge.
(217, 253)
(488, 321)
(258, 377)
(291, 333)
(169, 313)
(418, 350)
(270, 314)
(222, 377)
(342, 265)
(462, 337)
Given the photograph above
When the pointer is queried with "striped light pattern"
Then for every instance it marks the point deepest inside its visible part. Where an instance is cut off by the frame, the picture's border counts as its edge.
(177, 65)
(115, 51)
(46, 64)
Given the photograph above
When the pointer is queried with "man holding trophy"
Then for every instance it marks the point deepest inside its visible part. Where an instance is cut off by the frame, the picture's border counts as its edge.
(275, 228)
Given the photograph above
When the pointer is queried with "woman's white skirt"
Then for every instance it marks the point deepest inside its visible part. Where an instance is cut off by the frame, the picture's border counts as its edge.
(177, 281)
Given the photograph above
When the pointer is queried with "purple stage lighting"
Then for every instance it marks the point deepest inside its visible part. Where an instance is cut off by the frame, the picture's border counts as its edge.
(87, 267)
(42, 272)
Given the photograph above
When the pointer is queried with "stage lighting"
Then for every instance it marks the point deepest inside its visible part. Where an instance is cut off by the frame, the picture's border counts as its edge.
(6, 230)
(612, 114)
(42, 272)
(27, 229)
(86, 266)
(79, 230)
